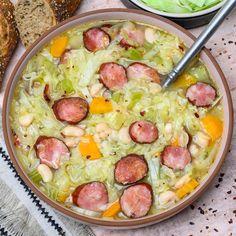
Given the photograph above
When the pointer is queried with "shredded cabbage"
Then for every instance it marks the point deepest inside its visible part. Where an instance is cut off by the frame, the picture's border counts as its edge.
(181, 6)
(137, 97)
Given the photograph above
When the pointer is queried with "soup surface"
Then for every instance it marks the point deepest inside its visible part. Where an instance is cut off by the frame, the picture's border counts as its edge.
(96, 132)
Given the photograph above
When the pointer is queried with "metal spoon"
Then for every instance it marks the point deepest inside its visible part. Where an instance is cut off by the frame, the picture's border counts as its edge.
(200, 42)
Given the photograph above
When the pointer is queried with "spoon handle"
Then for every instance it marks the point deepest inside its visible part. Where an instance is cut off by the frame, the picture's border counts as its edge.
(200, 42)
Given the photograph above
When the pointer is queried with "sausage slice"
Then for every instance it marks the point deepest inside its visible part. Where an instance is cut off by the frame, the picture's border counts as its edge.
(91, 196)
(113, 75)
(96, 39)
(130, 169)
(176, 157)
(138, 70)
(136, 200)
(143, 132)
(72, 110)
(201, 94)
(51, 151)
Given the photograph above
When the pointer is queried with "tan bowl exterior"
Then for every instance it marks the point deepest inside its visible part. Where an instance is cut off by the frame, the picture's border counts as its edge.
(148, 18)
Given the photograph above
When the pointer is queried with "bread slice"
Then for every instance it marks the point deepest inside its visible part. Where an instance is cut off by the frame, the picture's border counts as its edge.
(33, 18)
(8, 35)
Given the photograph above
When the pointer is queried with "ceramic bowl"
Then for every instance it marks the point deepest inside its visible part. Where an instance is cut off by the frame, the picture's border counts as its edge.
(148, 18)
(187, 20)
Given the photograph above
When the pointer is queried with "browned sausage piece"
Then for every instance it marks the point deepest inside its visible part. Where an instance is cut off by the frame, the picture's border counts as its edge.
(138, 70)
(72, 110)
(201, 94)
(113, 75)
(51, 151)
(96, 39)
(91, 196)
(130, 169)
(136, 200)
(176, 157)
(143, 132)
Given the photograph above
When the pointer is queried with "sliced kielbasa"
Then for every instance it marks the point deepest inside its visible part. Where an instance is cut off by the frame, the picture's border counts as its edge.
(51, 151)
(175, 157)
(72, 110)
(136, 200)
(130, 169)
(138, 70)
(143, 132)
(201, 94)
(112, 75)
(96, 39)
(91, 196)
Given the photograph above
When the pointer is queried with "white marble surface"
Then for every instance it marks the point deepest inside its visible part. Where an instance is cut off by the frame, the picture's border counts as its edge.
(218, 214)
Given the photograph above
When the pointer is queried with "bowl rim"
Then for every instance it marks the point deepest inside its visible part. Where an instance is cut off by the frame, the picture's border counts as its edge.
(145, 7)
(120, 224)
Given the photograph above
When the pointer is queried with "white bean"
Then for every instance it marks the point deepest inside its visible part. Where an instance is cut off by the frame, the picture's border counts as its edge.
(97, 138)
(108, 131)
(103, 135)
(167, 197)
(124, 136)
(183, 139)
(150, 35)
(45, 172)
(72, 141)
(182, 181)
(194, 150)
(95, 89)
(103, 130)
(73, 131)
(168, 128)
(26, 120)
(101, 127)
(201, 139)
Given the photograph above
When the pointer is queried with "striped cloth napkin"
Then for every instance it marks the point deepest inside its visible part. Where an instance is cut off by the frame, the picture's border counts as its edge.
(22, 213)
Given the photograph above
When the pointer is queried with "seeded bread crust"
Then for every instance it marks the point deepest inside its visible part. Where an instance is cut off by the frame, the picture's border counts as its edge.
(8, 35)
(34, 18)
(63, 9)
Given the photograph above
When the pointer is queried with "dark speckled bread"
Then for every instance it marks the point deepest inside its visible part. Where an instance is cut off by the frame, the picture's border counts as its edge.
(8, 35)
(33, 18)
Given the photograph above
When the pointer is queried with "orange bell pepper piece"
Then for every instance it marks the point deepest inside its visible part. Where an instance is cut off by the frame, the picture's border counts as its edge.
(88, 148)
(112, 210)
(58, 46)
(187, 188)
(213, 126)
(100, 105)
